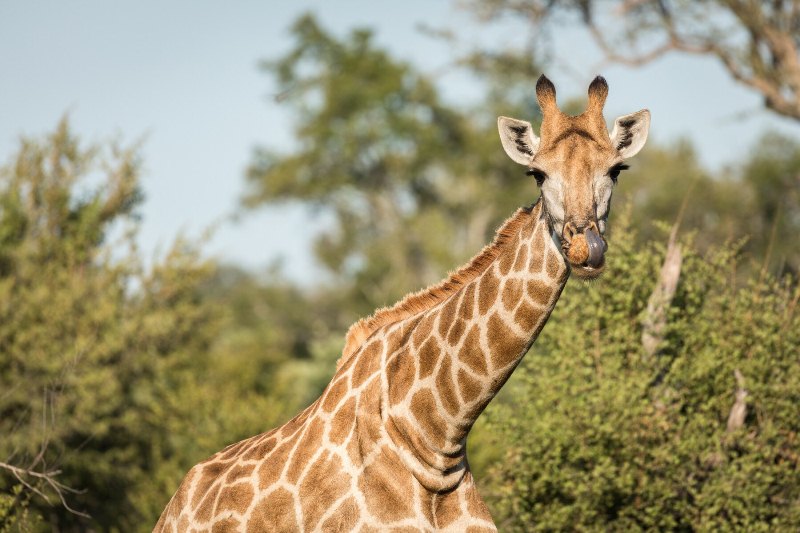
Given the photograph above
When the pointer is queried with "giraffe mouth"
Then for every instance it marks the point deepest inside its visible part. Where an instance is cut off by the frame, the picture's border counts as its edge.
(585, 254)
(587, 272)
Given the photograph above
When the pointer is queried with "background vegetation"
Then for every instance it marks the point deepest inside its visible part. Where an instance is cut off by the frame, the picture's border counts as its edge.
(117, 375)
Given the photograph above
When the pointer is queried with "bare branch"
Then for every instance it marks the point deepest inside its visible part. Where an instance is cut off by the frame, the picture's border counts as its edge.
(655, 319)
(756, 42)
(739, 409)
(47, 476)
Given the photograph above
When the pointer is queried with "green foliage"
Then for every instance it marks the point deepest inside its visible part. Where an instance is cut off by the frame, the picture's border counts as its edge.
(772, 173)
(15, 513)
(758, 201)
(122, 376)
(98, 356)
(275, 351)
(414, 185)
(602, 437)
(117, 377)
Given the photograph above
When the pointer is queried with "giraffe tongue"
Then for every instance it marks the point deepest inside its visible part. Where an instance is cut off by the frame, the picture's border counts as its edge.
(596, 248)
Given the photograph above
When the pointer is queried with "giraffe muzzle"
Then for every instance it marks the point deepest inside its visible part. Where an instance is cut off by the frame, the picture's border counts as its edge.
(585, 252)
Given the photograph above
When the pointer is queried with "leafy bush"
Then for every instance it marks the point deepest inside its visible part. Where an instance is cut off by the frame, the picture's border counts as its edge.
(601, 436)
(100, 358)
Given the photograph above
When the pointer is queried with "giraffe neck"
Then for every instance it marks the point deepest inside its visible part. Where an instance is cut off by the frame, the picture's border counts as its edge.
(457, 355)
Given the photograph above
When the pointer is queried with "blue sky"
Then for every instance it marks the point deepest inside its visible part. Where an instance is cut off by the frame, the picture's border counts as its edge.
(183, 77)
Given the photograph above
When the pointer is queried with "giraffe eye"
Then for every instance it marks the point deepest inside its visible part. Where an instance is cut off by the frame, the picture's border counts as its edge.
(614, 171)
(538, 175)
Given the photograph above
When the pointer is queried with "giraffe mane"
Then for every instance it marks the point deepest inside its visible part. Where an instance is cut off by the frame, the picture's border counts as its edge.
(425, 299)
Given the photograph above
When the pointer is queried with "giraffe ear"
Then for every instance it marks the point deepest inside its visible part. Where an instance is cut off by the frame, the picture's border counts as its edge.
(630, 133)
(518, 139)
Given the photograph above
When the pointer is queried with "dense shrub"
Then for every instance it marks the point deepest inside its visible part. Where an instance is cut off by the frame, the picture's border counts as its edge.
(601, 436)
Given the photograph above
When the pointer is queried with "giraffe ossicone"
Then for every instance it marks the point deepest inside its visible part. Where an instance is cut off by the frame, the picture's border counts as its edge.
(384, 447)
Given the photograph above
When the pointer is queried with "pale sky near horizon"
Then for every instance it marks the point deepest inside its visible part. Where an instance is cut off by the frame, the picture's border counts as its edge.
(184, 77)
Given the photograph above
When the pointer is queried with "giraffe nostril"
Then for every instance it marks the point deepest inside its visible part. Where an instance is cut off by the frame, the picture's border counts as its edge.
(569, 231)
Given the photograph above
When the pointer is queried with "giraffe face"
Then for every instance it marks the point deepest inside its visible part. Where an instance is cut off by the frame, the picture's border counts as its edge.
(576, 163)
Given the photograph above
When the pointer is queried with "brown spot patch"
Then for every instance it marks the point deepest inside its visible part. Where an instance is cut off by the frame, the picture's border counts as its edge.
(512, 293)
(537, 253)
(367, 364)
(274, 513)
(309, 443)
(507, 259)
(394, 336)
(368, 410)
(270, 470)
(356, 449)
(522, 259)
(487, 291)
(405, 435)
(471, 353)
(334, 395)
(446, 388)
(205, 510)
(527, 316)
(504, 345)
(428, 357)
(467, 306)
(239, 471)
(470, 387)
(527, 230)
(293, 425)
(425, 410)
(344, 518)
(475, 505)
(554, 264)
(423, 329)
(342, 422)
(539, 291)
(236, 497)
(324, 483)
(447, 315)
(401, 373)
(426, 505)
(386, 490)
(225, 525)
(259, 451)
(180, 499)
(448, 509)
(456, 332)
(345, 365)
(209, 472)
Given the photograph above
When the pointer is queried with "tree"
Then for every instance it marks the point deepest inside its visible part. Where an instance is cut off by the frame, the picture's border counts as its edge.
(757, 42)
(100, 357)
(275, 350)
(772, 174)
(604, 436)
(414, 185)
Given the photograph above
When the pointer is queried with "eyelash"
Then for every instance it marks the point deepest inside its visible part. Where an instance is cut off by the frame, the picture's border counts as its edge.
(538, 175)
(613, 173)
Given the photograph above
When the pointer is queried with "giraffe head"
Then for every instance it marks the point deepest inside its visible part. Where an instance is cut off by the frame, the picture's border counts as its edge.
(575, 162)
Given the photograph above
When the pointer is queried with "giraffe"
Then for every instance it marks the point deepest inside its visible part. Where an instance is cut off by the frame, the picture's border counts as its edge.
(384, 447)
